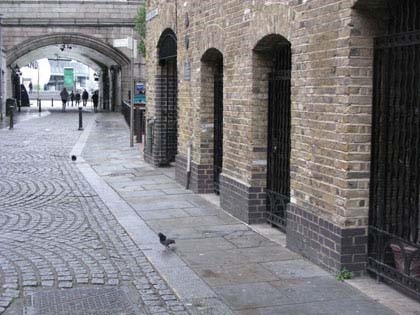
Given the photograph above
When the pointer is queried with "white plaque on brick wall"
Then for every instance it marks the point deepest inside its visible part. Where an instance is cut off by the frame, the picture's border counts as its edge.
(151, 14)
(187, 70)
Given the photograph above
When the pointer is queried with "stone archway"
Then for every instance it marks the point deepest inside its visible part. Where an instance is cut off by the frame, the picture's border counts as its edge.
(84, 48)
(211, 112)
(162, 135)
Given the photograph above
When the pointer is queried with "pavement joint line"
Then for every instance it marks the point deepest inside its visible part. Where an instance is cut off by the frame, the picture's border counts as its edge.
(133, 224)
(81, 142)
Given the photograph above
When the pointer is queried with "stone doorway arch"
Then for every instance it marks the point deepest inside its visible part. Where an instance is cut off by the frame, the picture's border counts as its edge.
(272, 94)
(162, 134)
(211, 112)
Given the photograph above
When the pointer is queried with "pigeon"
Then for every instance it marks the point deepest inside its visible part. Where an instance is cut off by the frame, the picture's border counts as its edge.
(165, 241)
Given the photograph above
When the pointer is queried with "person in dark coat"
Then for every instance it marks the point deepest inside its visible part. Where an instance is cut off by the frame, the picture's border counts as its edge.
(85, 97)
(77, 97)
(95, 100)
(71, 98)
(31, 87)
(64, 97)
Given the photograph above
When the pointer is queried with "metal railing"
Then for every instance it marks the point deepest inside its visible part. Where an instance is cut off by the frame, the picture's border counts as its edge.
(139, 126)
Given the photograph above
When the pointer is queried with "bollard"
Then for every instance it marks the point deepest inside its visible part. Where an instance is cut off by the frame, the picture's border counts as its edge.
(39, 105)
(52, 102)
(11, 119)
(80, 119)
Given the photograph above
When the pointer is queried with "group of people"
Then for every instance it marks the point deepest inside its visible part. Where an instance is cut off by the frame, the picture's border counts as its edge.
(65, 97)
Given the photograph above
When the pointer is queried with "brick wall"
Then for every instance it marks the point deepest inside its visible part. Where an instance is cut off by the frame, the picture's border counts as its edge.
(331, 112)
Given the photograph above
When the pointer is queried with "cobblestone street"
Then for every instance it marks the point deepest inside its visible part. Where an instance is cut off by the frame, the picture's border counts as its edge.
(79, 237)
(55, 232)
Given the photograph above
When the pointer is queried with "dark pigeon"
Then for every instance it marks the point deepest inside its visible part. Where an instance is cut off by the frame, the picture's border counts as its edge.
(165, 241)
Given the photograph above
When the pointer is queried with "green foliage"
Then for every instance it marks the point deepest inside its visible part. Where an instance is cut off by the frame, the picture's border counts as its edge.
(140, 27)
(344, 274)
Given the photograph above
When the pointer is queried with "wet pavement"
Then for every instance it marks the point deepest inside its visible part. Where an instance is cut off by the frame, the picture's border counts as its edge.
(84, 232)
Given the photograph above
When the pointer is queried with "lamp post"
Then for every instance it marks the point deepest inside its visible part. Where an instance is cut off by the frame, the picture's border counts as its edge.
(132, 89)
(38, 86)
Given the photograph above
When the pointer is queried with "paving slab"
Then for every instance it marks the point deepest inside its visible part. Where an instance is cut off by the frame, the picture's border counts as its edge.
(240, 256)
(251, 240)
(334, 307)
(163, 214)
(221, 275)
(186, 283)
(316, 289)
(295, 269)
(252, 295)
(186, 222)
(203, 244)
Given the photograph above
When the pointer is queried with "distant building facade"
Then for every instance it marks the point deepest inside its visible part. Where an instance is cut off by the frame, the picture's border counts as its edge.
(56, 83)
(303, 114)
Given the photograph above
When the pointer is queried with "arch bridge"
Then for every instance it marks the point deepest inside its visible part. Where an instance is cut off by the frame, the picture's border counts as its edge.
(75, 29)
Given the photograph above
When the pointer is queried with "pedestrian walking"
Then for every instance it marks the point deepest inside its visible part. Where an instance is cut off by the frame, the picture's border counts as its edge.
(77, 97)
(64, 97)
(31, 87)
(85, 97)
(95, 100)
(72, 98)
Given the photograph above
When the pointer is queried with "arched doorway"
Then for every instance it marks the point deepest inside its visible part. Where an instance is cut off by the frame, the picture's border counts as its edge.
(166, 126)
(272, 68)
(212, 111)
(394, 219)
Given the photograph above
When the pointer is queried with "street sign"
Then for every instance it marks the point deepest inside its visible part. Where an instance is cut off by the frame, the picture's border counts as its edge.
(68, 78)
(151, 14)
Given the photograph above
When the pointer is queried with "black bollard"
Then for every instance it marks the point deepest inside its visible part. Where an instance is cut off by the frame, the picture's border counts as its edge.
(39, 105)
(80, 119)
(52, 102)
(11, 119)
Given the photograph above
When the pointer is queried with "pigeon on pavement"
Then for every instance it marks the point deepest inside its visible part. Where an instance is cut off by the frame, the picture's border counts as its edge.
(165, 241)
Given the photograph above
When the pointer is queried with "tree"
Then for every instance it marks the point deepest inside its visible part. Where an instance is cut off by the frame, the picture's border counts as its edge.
(140, 27)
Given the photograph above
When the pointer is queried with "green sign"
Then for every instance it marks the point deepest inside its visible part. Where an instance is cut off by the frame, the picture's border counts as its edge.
(68, 78)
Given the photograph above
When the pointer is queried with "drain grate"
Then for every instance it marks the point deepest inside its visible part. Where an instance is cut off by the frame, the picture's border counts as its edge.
(87, 301)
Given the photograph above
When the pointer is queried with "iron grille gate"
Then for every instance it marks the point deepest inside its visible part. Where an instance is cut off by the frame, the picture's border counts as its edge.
(167, 126)
(218, 126)
(394, 244)
(279, 117)
(171, 111)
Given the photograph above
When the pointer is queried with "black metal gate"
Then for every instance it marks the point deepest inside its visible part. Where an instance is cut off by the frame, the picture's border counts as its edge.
(218, 126)
(279, 117)
(394, 244)
(168, 116)
(170, 110)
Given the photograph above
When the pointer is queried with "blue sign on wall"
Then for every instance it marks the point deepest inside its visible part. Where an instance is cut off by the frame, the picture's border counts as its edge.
(140, 95)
